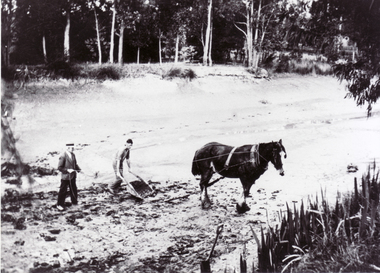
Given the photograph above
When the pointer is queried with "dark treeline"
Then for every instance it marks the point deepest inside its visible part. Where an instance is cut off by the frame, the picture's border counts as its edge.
(42, 31)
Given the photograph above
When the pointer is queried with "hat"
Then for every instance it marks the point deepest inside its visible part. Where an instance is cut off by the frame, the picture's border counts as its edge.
(69, 144)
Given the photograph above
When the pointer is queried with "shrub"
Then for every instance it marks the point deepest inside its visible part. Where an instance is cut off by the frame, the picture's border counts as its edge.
(189, 74)
(177, 72)
(283, 64)
(303, 66)
(173, 73)
(62, 69)
(107, 72)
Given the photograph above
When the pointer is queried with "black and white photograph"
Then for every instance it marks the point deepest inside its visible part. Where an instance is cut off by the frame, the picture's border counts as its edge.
(168, 136)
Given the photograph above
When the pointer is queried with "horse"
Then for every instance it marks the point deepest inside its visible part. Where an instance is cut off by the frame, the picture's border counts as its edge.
(246, 162)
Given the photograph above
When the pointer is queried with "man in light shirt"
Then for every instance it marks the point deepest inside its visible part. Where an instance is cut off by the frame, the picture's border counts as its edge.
(121, 155)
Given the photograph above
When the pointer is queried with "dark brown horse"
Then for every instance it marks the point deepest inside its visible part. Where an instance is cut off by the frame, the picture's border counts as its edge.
(246, 162)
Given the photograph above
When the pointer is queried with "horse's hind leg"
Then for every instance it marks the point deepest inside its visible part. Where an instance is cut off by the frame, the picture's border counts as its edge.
(205, 178)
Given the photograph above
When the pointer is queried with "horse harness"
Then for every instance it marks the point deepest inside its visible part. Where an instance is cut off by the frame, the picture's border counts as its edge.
(254, 157)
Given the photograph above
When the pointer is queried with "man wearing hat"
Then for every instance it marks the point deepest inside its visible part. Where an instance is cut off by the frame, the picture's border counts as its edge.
(121, 155)
(68, 166)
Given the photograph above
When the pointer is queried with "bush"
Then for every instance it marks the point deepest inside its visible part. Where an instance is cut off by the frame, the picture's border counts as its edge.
(283, 64)
(189, 74)
(107, 73)
(173, 73)
(177, 72)
(62, 69)
(303, 66)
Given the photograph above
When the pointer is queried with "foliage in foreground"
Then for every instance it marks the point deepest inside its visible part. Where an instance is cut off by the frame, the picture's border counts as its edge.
(8, 141)
(324, 239)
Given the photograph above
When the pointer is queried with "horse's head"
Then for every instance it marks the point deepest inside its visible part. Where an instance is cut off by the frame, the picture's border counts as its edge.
(277, 151)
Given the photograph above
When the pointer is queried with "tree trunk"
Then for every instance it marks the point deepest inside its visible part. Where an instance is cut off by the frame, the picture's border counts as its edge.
(249, 7)
(98, 37)
(8, 33)
(112, 43)
(209, 50)
(138, 55)
(7, 53)
(159, 46)
(255, 60)
(121, 42)
(176, 49)
(44, 48)
(66, 42)
(207, 40)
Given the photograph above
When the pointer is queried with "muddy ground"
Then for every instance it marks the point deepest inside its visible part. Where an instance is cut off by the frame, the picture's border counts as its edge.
(168, 120)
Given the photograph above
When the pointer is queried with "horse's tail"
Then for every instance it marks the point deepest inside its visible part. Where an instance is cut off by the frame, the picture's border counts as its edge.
(195, 167)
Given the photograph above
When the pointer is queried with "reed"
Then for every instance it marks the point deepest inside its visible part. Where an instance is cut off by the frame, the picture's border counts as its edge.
(324, 238)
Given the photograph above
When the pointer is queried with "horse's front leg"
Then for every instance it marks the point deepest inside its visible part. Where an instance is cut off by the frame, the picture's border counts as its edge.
(205, 178)
(242, 206)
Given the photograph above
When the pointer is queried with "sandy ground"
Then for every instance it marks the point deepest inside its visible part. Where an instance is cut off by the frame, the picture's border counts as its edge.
(168, 120)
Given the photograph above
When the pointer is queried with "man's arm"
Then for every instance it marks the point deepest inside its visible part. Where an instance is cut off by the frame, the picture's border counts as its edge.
(77, 168)
(118, 160)
(129, 165)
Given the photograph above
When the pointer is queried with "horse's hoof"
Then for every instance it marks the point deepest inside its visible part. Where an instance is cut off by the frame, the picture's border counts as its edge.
(206, 205)
(242, 209)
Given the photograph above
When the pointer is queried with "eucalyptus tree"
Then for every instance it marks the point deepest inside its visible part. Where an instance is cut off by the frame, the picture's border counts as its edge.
(359, 20)
(208, 37)
(46, 30)
(29, 24)
(70, 8)
(8, 26)
(98, 7)
(112, 39)
(140, 35)
(132, 15)
(261, 21)
(173, 23)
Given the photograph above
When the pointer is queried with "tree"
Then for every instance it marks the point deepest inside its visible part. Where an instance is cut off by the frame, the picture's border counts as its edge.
(142, 32)
(97, 32)
(8, 25)
(112, 43)
(66, 41)
(359, 20)
(207, 43)
(173, 23)
(129, 12)
(260, 26)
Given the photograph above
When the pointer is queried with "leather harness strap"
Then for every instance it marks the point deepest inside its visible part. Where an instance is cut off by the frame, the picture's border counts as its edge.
(255, 156)
(229, 157)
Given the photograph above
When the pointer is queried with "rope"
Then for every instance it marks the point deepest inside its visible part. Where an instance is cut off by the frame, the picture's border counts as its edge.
(212, 157)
